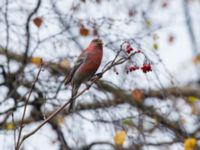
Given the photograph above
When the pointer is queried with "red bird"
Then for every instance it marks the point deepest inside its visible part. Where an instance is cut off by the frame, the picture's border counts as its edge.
(85, 67)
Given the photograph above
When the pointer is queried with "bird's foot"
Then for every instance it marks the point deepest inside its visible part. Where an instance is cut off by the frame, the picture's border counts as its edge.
(96, 76)
(99, 75)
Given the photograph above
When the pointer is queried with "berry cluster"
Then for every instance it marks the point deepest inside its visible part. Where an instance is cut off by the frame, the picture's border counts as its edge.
(146, 68)
(129, 48)
(133, 68)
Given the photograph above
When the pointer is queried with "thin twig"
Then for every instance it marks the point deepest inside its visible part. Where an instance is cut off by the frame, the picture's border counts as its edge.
(25, 106)
(7, 36)
(13, 122)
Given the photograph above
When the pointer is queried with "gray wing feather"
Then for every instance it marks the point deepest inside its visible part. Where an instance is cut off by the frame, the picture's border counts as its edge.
(81, 59)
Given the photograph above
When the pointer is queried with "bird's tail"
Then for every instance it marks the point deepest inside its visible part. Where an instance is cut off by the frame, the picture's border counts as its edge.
(75, 88)
(71, 105)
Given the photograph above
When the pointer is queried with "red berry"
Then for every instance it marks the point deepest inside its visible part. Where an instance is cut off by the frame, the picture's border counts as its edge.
(128, 51)
(133, 68)
(129, 48)
(146, 68)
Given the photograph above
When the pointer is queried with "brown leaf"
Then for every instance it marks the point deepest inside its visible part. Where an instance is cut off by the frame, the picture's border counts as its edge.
(137, 95)
(38, 21)
(196, 59)
(84, 31)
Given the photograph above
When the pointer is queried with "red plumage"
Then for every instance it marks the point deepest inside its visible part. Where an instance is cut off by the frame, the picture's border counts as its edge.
(85, 67)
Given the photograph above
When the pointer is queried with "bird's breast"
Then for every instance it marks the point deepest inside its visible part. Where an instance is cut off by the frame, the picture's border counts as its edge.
(92, 62)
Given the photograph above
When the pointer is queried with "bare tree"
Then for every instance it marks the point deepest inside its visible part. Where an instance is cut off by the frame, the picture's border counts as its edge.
(133, 101)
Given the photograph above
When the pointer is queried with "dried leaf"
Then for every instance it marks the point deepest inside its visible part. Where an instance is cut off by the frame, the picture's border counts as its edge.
(9, 126)
(38, 21)
(36, 60)
(137, 95)
(192, 99)
(196, 59)
(119, 137)
(190, 144)
(155, 46)
(84, 31)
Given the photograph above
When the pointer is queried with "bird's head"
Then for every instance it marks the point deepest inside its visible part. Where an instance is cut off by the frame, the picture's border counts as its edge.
(97, 43)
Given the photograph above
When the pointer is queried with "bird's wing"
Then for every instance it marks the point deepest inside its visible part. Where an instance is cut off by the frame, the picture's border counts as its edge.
(81, 59)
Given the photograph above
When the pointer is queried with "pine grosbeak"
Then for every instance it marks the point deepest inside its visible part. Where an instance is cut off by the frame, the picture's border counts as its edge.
(85, 67)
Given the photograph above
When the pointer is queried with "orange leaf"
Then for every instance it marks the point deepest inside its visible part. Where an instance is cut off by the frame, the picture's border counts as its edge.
(196, 60)
(84, 31)
(137, 95)
(190, 144)
(119, 137)
(38, 21)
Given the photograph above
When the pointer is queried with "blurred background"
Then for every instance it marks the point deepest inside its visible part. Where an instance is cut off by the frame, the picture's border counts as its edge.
(127, 109)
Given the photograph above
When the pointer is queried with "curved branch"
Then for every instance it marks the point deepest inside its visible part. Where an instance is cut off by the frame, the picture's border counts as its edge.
(28, 30)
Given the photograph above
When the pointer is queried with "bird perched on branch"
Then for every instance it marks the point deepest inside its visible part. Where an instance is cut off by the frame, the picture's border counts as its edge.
(85, 67)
